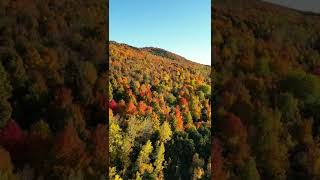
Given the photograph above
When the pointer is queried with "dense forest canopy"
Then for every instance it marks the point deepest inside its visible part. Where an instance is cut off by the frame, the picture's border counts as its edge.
(267, 89)
(159, 115)
(53, 89)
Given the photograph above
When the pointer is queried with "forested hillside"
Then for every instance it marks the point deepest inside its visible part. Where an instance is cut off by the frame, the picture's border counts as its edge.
(53, 89)
(267, 90)
(159, 115)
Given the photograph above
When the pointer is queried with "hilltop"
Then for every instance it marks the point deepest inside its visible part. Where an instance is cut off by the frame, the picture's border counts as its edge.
(158, 52)
(155, 60)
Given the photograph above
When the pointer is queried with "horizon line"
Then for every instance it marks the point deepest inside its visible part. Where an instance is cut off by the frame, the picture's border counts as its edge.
(141, 47)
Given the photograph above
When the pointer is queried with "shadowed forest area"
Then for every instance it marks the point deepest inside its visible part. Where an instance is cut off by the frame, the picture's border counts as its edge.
(159, 115)
(53, 89)
(267, 89)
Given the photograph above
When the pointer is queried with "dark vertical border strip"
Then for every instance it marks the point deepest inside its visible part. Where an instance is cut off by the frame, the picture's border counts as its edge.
(107, 85)
(213, 95)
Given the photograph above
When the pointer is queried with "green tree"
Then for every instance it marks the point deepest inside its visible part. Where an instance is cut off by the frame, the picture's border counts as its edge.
(5, 94)
(159, 161)
(5, 88)
(195, 107)
(249, 171)
(110, 92)
(5, 112)
(263, 66)
(113, 174)
(165, 132)
(197, 167)
(180, 150)
(288, 106)
(271, 150)
(115, 139)
(206, 89)
(171, 99)
(302, 85)
(138, 176)
(144, 162)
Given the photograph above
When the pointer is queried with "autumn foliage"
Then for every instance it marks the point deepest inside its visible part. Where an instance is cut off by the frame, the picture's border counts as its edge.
(178, 118)
(160, 114)
(267, 91)
(53, 73)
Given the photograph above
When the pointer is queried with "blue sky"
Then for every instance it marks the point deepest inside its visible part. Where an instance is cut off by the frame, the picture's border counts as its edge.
(179, 26)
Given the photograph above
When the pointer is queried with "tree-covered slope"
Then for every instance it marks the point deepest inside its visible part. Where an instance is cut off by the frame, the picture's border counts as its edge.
(267, 60)
(53, 89)
(160, 115)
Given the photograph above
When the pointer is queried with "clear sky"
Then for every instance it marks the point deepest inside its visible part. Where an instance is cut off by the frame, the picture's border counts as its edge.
(304, 5)
(180, 26)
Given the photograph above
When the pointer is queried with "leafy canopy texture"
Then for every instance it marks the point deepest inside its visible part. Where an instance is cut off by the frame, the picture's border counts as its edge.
(160, 114)
(266, 90)
(53, 89)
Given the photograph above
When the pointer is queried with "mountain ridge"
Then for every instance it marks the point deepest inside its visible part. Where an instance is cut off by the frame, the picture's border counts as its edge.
(266, 5)
(305, 12)
(160, 52)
